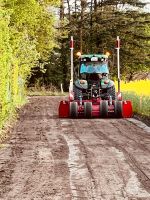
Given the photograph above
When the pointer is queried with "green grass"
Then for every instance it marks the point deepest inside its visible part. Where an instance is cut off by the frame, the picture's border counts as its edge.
(44, 92)
(141, 104)
(8, 117)
(6, 124)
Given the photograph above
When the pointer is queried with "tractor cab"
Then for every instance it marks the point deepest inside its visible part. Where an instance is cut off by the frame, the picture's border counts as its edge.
(94, 68)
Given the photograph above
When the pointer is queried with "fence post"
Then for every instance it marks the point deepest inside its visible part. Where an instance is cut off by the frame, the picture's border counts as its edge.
(61, 86)
(140, 102)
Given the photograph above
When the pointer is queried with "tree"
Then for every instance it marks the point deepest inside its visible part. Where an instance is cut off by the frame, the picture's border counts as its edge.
(99, 22)
(27, 37)
(95, 25)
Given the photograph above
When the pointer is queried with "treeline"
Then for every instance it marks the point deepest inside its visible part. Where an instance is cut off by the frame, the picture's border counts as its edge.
(27, 36)
(35, 34)
(95, 25)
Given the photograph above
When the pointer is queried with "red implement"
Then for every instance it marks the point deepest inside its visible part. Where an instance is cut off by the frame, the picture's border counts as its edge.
(127, 109)
(64, 109)
(99, 108)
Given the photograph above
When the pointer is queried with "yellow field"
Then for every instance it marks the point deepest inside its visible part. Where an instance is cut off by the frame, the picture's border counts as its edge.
(139, 94)
(141, 88)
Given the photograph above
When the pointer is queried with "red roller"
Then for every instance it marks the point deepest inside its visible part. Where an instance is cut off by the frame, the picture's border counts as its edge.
(127, 109)
(64, 109)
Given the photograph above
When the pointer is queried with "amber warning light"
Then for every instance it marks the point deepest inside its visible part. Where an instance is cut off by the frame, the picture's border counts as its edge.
(78, 54)
(107, 53)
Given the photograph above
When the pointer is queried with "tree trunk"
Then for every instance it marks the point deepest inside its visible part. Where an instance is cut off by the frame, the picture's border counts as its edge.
(62, 10)
(63, 56)
(69, 12)
(83, 8)
(95, 5)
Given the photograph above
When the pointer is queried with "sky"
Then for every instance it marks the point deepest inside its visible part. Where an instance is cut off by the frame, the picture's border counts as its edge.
(147, 7)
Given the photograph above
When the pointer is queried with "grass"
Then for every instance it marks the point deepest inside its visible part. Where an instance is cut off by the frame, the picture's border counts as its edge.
(139, 93)
(42, 91)
(141, 104)
(8, 120)
(6, 125)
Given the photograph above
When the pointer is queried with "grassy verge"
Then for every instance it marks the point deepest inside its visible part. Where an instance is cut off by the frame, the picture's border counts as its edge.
(9, 115)
(8, 120)
(141, 104)
(7, 124)
(44, 92)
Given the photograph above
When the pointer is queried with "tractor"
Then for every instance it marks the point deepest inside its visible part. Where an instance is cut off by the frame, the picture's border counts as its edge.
(93, 94)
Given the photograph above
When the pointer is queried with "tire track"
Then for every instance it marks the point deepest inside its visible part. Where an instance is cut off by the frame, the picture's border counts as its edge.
(36, 166)
(80, 171)
(48, 158)
(144, 179)
(131, 135)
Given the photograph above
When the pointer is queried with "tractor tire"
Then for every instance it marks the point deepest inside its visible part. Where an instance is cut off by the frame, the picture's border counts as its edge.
(73, 109)
(88, 109)
(118, 109)
(77, 93)
(103, 108)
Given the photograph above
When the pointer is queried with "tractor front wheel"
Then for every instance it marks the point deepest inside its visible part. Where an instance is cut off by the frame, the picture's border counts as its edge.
(73, 109)
(88, 109)
(103, 108)
(118, 109)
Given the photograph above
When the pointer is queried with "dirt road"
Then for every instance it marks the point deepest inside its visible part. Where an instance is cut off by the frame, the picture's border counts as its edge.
(47, 158)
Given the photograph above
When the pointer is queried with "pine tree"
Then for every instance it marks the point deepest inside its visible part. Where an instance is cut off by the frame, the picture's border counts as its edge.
(97, 23)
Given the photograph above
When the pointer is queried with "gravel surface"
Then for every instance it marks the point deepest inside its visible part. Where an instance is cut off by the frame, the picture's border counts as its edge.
(47, 158)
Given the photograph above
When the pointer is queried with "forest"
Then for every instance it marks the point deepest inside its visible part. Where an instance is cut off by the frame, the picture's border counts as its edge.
(35, 35)
(94, 25)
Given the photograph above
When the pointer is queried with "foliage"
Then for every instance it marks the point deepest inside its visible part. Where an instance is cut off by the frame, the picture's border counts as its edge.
(5, 64)
(27, 35)
(95, 25)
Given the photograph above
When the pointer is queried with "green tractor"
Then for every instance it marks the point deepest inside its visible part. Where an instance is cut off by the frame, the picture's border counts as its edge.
(92, 93)
(93, 78)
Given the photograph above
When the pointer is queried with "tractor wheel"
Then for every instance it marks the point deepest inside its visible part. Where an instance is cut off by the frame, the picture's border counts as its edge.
(112, 92)
(73, 109)
(118, 109)
(88, 109)
(77, 93)
(103, 108)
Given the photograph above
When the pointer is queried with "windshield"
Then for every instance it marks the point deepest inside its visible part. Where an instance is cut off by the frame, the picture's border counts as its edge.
(94, 67)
